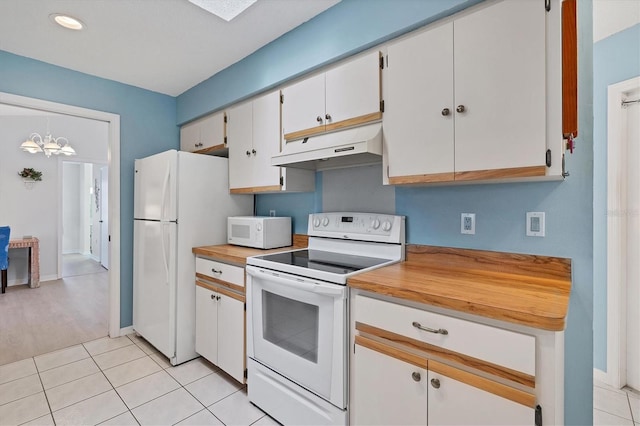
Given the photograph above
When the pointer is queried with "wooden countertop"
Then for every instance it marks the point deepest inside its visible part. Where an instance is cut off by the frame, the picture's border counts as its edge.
(522, 289)
(238, 255)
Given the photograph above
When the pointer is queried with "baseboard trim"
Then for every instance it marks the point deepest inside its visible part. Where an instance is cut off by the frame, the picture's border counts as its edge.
(602, 376)
(124, 331)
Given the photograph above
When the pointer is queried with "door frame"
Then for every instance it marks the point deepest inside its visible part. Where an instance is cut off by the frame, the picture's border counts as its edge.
(616, 235)
(113, 162)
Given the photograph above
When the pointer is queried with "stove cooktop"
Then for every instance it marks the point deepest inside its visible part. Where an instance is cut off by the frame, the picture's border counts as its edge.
(335, 263)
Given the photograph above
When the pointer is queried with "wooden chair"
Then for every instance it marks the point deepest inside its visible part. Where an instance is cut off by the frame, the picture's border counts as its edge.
(4, 254)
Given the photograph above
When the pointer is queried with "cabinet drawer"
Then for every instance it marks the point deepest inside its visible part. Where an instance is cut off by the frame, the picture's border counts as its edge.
(220, 271)
(505, 348)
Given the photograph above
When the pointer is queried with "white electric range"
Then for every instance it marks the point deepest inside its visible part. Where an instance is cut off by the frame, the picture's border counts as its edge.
(297, 315)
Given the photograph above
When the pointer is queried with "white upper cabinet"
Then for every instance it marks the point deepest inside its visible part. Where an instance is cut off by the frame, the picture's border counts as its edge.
(344, 96)
(470, 99)
(253, 138)
(240, 142)
(418, 121)
(205, 135)
(499, 65)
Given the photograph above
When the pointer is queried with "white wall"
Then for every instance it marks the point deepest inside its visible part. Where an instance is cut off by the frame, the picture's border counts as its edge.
(37, 211)
(72, 229)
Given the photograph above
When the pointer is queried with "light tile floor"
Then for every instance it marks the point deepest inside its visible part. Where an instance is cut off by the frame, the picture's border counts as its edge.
(122, 381)
(125, 381)
(614, 406)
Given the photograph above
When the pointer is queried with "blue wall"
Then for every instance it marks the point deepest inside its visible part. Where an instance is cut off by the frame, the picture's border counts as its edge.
(147, 126)
(615, 59)
(433, 213)
(347, 28)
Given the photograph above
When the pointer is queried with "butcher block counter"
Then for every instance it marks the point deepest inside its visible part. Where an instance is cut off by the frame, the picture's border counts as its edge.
(238, 255)
(522, 289)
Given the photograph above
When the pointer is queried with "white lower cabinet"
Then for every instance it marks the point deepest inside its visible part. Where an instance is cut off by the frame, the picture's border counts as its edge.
(384, 390)
(390, 386)
(220, 328)
(413, 366)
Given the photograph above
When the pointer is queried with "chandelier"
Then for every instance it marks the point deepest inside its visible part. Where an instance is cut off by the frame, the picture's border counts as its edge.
(49, 145)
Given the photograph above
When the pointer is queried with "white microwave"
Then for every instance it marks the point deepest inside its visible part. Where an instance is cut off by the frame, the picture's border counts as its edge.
(263, 232)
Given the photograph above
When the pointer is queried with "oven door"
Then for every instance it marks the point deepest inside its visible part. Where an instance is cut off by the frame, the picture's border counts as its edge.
(297, 327)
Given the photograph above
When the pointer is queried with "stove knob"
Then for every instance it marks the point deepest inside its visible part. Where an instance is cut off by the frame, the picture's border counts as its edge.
(316, 222)
(325, 221)
(386, 225)
(375, 224)
(258, 227)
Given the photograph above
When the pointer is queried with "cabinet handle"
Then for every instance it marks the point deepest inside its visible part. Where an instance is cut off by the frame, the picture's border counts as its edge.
(460, 108)
(416, 324)
(319, 119)
(435, 383)
(215, 271)
(327, 116)
(218, 298)
(248, 153)
(416, 376)
(253, 151)
(445, 112)
(213, 297)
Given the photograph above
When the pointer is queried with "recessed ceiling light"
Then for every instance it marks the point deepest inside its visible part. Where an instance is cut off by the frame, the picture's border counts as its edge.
(225, 9)
(67, 21)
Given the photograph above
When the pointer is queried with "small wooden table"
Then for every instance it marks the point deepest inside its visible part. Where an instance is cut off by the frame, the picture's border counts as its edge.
(34, 258)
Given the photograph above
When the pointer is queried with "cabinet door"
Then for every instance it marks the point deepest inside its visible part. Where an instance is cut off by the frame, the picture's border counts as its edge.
(352, 92)
(266, 140)
(240, 142)
(231, 354)
(453, 402)
(499, 62)
(419, 112)
(212, 130)
(207, 324)
(190, 137)
(302, 107)
(386, 390)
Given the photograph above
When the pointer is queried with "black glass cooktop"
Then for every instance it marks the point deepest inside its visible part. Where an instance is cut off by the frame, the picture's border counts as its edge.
(336, 263)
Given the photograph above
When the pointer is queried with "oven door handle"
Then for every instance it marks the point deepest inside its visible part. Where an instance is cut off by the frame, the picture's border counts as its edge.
(325, 289)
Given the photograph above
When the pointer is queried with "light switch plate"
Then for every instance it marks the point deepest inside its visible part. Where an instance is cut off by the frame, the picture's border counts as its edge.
(535, 224)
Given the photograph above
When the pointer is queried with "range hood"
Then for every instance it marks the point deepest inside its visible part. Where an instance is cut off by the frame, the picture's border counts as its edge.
(346, 148)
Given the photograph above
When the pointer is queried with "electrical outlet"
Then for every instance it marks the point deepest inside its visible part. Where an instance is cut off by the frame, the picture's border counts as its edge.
(272, 213)
(468, 223)
(535, 224)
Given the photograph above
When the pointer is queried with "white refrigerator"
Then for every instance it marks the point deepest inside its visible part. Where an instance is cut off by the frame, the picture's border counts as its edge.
(181, 200)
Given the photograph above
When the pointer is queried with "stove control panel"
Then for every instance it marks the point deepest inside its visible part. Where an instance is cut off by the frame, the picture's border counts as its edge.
(357, 226)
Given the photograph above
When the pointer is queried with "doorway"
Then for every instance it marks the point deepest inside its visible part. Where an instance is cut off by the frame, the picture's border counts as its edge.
(113, 124)
(623, 235)
(83, 194)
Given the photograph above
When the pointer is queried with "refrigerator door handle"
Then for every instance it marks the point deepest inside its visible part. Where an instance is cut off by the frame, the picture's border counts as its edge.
(165, 187)
(165, 261)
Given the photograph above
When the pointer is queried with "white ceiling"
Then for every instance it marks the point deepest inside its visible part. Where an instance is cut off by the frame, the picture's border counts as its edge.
(167, 46)
(612, 16)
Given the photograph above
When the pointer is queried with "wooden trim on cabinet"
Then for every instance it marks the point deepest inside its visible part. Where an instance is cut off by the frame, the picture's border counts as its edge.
(218, 282)
(407, 357)
(504, 391)
(212, 149)
(221, 290)
(304, 133)
(355, 121)
(468, 361)
(256, 189)
(426, 178)
(375, 116)
(515, 172)
(569, 69)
